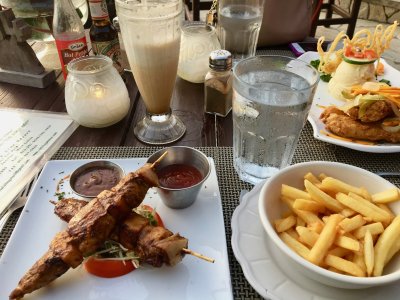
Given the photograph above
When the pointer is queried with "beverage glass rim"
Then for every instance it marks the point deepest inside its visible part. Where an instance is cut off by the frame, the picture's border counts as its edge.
(277, 56)
(102, 58)
(208, 30)
(129, 4)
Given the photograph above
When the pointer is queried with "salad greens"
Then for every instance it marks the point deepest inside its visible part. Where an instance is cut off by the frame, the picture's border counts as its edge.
(324, 77)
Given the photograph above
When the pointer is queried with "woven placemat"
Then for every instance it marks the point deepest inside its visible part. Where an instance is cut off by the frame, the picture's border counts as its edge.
(308, 149)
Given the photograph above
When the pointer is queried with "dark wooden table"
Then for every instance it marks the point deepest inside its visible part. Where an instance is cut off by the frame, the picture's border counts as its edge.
(187, 103)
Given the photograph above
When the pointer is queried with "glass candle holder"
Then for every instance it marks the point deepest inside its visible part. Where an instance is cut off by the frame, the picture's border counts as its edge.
(197, 41)
(95, 94)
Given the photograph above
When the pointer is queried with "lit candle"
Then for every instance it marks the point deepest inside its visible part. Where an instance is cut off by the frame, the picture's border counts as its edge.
(95, 98)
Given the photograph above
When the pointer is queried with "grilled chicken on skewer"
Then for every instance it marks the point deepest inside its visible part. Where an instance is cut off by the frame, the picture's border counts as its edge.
(88, 230)
(154, 245)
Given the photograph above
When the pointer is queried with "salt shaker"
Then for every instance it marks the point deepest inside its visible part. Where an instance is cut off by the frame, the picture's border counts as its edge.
(218, 84)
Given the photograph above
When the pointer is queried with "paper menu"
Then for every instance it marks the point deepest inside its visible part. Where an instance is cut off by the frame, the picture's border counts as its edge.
(27, 140)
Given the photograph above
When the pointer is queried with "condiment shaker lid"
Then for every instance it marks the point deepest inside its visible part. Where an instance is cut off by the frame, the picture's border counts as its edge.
(116, 24)
(220, 60)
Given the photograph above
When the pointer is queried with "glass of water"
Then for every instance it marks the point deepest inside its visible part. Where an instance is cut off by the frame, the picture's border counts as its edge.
(239, 23)
(271, 99)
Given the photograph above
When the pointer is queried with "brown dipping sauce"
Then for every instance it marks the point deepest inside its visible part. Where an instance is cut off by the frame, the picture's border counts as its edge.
(179, 176)
(93, 181)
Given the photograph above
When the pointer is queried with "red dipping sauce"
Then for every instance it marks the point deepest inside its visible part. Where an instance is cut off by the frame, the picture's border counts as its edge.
(179, 176)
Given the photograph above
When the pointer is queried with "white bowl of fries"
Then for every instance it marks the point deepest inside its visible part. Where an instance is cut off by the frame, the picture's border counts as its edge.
(337, 223)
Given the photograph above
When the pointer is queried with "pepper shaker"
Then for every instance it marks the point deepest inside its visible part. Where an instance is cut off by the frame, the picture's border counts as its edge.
(218, 84)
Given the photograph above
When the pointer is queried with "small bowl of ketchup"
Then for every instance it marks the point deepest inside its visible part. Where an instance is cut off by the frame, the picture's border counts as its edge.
(92, 178)
(181, 174)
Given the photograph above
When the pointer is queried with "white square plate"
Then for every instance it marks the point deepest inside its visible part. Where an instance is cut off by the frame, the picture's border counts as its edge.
(202, 223)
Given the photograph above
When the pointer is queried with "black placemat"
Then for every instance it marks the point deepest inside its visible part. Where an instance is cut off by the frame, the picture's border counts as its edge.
(308, 149)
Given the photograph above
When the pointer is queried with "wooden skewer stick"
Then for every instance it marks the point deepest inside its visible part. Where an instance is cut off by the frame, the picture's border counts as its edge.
(159, 159)
(198, 255)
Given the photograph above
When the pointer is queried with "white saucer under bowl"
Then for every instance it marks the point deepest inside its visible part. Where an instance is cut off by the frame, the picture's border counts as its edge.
(271, 274)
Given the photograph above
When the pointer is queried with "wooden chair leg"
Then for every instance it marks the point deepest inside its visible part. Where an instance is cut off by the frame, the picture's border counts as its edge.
(329, 11)
(317, 5)
(353, 15)
(196, 10)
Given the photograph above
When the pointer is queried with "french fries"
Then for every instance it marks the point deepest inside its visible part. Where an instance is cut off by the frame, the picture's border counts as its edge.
(369, 252)
(387, 196)
(325, 240)
(340, 227)
(384, 243)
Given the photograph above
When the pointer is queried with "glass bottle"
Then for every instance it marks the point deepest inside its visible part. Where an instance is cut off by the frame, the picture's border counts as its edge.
(218, 84)
(68, 32)
(103, 36)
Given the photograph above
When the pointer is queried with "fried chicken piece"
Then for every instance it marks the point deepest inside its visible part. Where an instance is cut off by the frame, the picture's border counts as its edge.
(341, 124)
(375, 112)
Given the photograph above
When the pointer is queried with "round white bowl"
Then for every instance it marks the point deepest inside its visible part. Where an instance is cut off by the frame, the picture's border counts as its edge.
(271, 208)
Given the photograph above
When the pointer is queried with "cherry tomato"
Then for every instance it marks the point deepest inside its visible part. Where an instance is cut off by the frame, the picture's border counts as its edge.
(156, 215)
(370, 54)
(108, 268)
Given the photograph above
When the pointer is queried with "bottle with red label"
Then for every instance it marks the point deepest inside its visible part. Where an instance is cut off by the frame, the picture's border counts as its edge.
(68, 32)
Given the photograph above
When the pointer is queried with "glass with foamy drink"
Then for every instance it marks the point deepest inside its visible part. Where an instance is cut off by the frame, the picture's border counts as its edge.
(151, 34)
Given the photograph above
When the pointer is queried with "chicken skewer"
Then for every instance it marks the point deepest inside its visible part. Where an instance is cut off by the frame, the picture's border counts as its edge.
(154, 245)
(88, 230)
(129, 236)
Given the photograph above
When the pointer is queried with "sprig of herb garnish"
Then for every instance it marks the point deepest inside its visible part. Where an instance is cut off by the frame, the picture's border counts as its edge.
(60, 195)
(315, 63)
(385, 81)
(324, 77)
(113, 250)
(149, 215)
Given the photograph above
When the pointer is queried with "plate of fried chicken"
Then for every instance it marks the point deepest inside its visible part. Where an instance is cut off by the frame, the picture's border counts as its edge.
(44, 256)
(365, 122)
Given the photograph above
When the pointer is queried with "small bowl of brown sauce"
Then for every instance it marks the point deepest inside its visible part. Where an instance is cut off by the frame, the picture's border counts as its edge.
(181, 173)
(92, 178)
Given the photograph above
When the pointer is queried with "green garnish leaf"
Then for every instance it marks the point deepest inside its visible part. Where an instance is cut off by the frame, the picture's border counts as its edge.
(60, 196)
(315, 63)
(385, 81)
(149, 215)
(325, 77)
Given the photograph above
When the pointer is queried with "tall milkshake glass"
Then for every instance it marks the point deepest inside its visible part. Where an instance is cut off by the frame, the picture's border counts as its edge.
(151, 34)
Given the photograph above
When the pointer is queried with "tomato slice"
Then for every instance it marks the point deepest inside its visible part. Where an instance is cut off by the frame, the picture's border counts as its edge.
(155, 214)
(108, 268)
(370, 54)
(358, 55)
(114, 268)
(348, 52)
